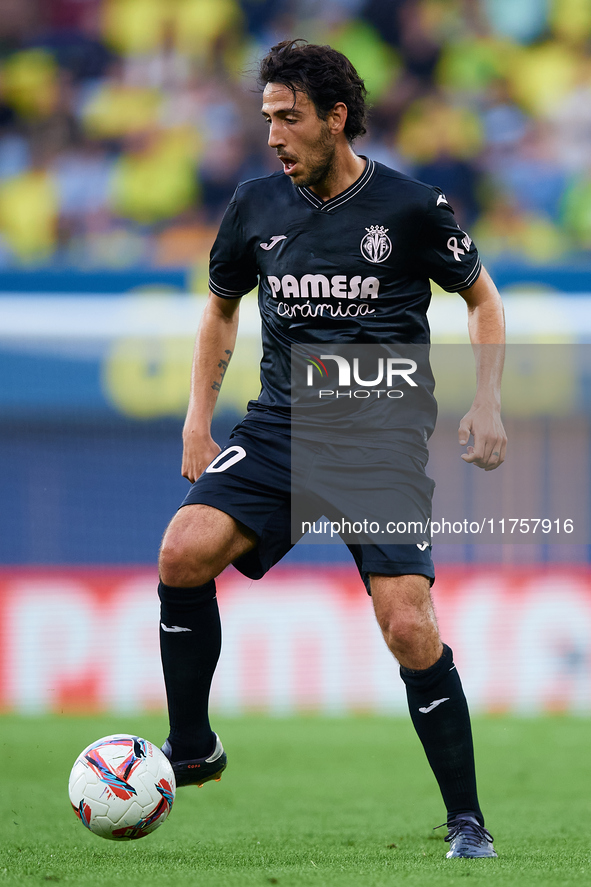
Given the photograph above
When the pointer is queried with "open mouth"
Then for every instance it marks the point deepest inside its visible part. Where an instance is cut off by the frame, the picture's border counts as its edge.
(288, 164)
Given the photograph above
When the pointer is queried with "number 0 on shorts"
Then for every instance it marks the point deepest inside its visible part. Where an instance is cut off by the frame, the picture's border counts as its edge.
(234, 453)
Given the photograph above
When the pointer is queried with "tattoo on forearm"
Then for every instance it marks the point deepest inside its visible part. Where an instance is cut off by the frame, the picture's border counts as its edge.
(223, 366)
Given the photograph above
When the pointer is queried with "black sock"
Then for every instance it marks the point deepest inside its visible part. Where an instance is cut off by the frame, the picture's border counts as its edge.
(439, 712)
(190, 643)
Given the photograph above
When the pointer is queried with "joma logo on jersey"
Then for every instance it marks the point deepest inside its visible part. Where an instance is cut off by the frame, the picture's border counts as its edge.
(316, 286)
(376, 245)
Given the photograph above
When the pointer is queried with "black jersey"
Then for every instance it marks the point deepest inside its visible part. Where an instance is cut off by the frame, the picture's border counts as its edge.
(353, 269)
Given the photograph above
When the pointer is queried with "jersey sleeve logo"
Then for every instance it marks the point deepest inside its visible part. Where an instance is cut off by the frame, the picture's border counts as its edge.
(376, 246)
(452, 244)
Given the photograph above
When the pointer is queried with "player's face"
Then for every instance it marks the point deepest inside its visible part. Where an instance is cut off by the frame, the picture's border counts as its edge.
(304, 143)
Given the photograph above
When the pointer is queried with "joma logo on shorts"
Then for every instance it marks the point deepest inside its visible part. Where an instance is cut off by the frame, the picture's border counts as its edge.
(317, 286)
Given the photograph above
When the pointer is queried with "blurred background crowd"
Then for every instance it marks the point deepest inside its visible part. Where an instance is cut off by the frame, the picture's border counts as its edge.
(126, 124)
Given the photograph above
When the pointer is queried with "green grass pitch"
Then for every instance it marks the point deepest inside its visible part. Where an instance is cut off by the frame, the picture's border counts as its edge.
(306, 801)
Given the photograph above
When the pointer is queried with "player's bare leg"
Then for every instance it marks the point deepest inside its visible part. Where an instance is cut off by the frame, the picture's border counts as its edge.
(438, 707)
(198, 544)
(405, 614)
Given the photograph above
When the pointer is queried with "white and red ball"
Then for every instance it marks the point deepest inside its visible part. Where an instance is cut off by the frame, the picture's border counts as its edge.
(122, 787)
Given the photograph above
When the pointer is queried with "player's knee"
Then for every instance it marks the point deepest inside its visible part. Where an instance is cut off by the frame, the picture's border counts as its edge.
(406, 632)
(182, 566)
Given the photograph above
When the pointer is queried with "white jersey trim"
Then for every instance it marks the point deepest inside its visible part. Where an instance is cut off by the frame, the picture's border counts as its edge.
(469, 280)
(351, 192)
(227, 294)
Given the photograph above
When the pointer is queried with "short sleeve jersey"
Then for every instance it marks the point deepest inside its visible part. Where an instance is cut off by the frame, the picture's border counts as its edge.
(353, 269)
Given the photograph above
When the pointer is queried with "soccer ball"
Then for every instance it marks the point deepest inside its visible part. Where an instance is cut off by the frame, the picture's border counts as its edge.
(122, 787)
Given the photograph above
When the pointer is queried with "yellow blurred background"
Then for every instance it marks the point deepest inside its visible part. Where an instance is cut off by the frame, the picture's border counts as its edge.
(126, 124)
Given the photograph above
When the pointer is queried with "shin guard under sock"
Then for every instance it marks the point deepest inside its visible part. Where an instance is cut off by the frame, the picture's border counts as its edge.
(439, 712)
(190, 644)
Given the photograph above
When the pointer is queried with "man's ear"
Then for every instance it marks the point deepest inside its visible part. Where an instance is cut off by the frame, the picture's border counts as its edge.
(337, 118)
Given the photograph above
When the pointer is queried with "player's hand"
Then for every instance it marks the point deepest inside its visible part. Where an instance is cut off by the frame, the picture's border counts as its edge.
(198, 452)
(489, 438)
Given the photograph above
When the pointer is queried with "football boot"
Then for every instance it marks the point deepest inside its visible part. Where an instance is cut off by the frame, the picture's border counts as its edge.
(198, 770)
(468, 839)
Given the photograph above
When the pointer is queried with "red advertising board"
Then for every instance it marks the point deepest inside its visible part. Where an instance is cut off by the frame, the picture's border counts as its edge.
(300, 639)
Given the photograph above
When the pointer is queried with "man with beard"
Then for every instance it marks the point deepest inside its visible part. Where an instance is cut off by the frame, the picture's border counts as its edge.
(342, 249)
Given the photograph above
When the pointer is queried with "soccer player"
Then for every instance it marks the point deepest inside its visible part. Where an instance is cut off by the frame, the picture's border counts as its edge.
(290, 232)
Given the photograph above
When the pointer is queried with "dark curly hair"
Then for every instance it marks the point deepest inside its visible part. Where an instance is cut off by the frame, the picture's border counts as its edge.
(323, 74)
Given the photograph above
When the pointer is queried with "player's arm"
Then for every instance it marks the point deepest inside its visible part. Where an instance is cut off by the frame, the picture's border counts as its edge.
(486, 326)
(214, 345)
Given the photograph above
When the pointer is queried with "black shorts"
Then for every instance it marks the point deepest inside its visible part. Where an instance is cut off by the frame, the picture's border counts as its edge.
(251, 480)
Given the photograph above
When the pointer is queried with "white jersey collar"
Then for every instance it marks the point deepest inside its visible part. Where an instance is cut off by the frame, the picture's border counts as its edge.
(344, 196)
